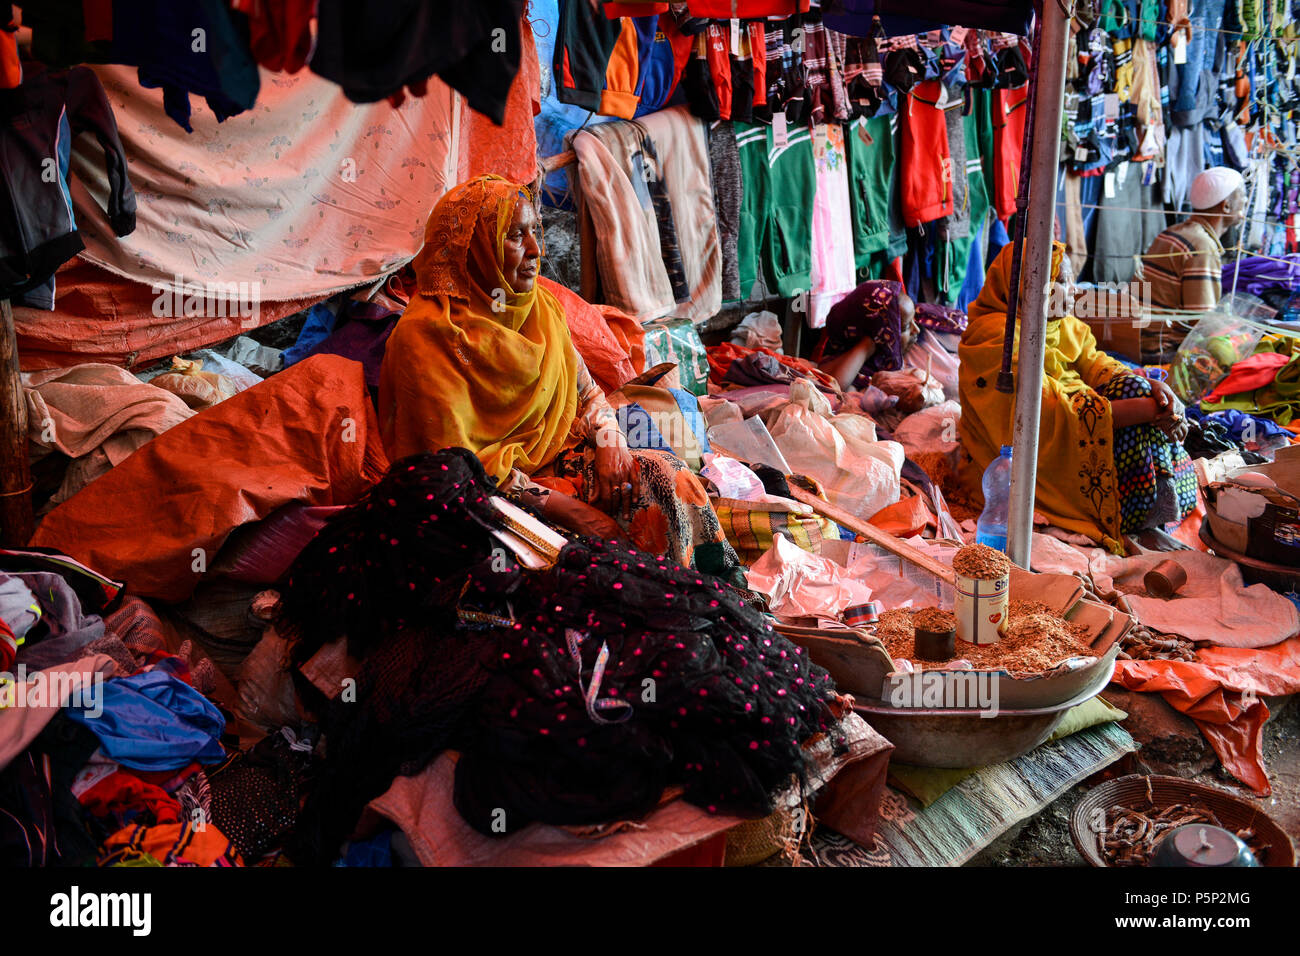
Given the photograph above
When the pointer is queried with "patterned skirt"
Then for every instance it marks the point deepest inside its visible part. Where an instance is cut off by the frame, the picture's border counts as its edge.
(1157, 484)
(671, 516)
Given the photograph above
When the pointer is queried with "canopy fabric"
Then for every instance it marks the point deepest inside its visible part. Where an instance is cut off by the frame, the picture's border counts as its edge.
(268, 196)
(307, 193)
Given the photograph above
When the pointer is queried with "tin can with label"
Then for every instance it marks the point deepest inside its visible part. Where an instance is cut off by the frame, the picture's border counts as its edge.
(981, 608)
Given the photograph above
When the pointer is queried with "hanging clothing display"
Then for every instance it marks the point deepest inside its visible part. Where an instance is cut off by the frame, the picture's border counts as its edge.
(927, 174)
(1008, 140)
(778, 174)
(598, 60)
(198, 48)
(373, 53)
(38, 120)
(833, 265)
(873, 189)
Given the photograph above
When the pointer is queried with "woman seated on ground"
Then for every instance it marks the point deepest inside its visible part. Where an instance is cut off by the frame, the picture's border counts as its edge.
(482, 359)
(1110, 455)
(867, 331)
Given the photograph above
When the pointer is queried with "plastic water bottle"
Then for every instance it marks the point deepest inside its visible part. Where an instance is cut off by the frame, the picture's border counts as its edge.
(991, 529)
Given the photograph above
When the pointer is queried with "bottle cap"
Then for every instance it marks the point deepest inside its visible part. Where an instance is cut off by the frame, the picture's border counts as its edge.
(1006, 451)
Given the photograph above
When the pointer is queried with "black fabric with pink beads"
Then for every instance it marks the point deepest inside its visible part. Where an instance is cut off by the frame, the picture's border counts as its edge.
(720, 703)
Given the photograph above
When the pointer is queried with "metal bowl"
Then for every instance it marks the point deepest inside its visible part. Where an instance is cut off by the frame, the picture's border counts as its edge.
(961, 738)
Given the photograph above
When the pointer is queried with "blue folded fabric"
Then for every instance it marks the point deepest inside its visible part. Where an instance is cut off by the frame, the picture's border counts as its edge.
(155, 721)
(1236, 422)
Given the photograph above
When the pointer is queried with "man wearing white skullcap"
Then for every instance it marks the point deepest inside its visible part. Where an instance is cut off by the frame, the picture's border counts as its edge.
(1184, 266)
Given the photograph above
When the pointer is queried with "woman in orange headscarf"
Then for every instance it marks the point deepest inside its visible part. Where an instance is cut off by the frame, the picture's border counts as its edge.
(1110, 459)
(482, 359)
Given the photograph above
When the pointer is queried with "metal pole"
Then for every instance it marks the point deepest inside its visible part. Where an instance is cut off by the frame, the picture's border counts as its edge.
(1006, 383)
(1048, 99)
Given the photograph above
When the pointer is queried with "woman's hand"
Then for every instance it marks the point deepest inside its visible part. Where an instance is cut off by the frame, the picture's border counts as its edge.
(1169, 408)
(618, 480)
(1177, 430)
(581, 518)
(1170, 411)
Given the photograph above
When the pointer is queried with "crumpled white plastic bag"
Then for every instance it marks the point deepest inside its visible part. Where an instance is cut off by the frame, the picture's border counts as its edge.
(859, 473)
(929, 355)
(800, 584)
(759, 330)
(732, 478)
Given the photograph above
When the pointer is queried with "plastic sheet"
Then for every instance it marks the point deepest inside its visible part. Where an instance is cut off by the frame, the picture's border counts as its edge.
(158, 519)
(1221, 691)
(800, 584)
(859, 473)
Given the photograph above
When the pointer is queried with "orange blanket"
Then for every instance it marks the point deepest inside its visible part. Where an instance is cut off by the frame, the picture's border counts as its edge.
(1222, 692)
(158, 519)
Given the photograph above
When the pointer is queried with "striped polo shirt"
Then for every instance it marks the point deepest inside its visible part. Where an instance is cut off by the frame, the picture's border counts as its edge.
(1184, 268)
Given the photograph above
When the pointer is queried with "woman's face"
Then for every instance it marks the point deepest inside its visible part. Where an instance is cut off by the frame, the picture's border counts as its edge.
(907, 312)
(522, 252)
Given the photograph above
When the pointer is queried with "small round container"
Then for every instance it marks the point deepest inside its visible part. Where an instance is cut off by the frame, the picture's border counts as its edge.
(1159, 374)
(981, 608)
(1202, 845)
(1164, 580)
(935, 645)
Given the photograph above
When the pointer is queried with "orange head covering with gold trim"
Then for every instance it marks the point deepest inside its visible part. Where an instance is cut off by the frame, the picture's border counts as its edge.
(472, 362)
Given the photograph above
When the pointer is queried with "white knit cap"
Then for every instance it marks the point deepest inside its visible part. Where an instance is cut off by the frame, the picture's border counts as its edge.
(1214, 186)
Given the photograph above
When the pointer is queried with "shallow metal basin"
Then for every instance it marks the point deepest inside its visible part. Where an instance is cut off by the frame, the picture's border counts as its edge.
(957, 739)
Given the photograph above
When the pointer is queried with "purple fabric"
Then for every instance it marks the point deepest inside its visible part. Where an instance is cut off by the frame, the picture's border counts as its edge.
(940, 318)
(361, 334)
(870, 309)
(1258, 275)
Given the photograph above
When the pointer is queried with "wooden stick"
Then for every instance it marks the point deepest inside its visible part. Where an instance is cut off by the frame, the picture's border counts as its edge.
(873, 534)
(16, 523)
(551, 163)
(869, 531)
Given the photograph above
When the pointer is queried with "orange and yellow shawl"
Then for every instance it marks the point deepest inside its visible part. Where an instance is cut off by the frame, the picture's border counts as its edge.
(472, 363)
(1077, 487)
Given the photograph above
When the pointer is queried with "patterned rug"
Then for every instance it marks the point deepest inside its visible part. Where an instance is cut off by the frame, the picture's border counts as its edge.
(978, 810)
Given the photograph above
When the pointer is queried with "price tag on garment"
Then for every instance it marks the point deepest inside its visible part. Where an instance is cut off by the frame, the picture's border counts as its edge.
(1151, 144)
(735, 36)
(864, 134)
(1180, 49)
(1121, 174)
(1108, 183)
(780, 132)
(1112, 106)
(1148, 172)
(1081, 154)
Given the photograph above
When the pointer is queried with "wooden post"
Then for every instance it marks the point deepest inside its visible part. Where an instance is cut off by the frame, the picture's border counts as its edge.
(16, 524)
